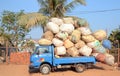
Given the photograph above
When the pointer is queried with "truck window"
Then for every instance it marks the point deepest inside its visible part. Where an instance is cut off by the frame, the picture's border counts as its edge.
(42, 50)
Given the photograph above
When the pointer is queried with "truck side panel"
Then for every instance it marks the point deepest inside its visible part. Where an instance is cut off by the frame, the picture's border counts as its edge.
(73, 60)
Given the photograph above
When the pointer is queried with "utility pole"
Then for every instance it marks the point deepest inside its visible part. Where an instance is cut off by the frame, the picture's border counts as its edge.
(7, 52)
(118, 52)
(118, 49)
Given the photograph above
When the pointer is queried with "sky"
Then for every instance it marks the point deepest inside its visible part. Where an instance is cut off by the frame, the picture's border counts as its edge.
(107, 20)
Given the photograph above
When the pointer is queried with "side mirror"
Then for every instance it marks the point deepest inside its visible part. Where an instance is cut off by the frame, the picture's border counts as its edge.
(38, 53)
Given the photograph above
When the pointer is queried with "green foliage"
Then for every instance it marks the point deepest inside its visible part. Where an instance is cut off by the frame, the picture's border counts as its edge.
(48, 8)
(115, 37)
(57, 8)
(32, 19)
(30, 43)
(10, 29)
(118, 36)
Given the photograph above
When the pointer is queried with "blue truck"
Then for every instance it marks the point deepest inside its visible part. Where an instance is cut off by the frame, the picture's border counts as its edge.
(44, 59)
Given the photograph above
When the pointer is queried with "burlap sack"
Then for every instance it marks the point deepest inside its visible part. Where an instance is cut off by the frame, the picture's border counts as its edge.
(100, 34)
(94, 54)
(73, 52)
(80, 23)
(48, 35)
(94, 44)
(57, 42)
(62, 35)
(52, 27)
(57, 21)
(61, 50)
(44, 42)
(88, 38)
(79, 44)
(85, 31)
(68, 43)
(68, 20)
(110, 60)
(99, 49)
(101, 57)
(75, 36)
(67, 28)
(85, 50)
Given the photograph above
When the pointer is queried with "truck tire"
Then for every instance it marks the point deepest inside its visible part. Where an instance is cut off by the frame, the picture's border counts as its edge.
(45, 69)
(89, 65)
(80, 68)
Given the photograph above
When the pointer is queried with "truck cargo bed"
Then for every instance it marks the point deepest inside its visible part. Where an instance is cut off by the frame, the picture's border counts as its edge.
(73, 60)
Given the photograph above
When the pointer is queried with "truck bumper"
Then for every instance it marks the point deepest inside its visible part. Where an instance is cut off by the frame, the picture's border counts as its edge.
(32, 69)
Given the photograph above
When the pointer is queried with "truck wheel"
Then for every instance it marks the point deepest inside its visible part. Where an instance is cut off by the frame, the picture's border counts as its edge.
(80, 68)
(45, 69)
(89, 66)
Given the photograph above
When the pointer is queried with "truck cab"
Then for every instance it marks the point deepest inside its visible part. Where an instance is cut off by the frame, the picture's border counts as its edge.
(43, 58)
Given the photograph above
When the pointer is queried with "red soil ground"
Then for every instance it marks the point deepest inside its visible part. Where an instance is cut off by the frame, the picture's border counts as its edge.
(22, 70)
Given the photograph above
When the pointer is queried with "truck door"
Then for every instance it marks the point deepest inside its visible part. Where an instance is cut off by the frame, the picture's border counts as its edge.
(44, 54)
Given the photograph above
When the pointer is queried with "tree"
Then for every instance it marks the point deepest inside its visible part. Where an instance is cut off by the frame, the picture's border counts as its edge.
(57, 8)
(48, 8)
(32, 19)
(2, 39)
(10, 30)
(28, 44)
(115, 37)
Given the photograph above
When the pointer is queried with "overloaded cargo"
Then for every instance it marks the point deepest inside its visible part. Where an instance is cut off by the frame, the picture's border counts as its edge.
(100, 34)
(44, 42)
(57, 42)
(48, 35)
(99, 56)
(106, 43)
(60, 50)
(73, 37)
(68, 44)
(73, 51)
(62, 35)
(85, 50)
(79, 44)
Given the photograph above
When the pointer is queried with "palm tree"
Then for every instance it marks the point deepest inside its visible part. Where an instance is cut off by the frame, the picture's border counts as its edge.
(57, 8)
(115, 36)
(48, 8)
(32, 19)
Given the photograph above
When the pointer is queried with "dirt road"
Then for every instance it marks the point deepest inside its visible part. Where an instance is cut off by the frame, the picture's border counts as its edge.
(22, 70)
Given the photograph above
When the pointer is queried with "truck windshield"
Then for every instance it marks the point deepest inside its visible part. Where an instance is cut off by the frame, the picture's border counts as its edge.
(41, 50)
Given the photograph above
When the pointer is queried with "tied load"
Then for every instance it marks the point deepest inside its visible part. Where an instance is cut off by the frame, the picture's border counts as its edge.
(72, 36)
